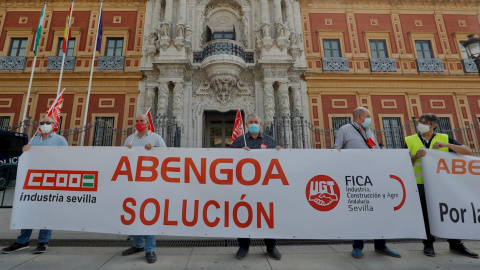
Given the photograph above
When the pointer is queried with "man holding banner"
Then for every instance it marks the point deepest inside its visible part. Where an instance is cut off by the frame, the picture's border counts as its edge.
(47, 138)
(429, 139)
(143, 137)
(358, 135)
(254, 139)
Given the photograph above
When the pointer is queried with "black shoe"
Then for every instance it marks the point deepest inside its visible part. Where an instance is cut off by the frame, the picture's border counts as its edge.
(15, 247)
(41, 247)
(460, 248)
(132, 250)
(428, 250)
(241, 253)
(151, 257)
(273, 252)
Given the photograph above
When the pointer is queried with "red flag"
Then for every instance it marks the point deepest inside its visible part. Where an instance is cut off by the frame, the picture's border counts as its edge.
(68, 30)
(55, 110)
(238, 126)
(150, 120)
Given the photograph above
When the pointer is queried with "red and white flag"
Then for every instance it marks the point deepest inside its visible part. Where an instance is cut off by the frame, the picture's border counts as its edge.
(68, 29)
(238, 126)
(55, 110)
(151, 127)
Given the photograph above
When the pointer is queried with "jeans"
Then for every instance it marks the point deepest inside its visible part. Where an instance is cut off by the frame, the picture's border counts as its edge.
(43, 236)
(378, 243)
(245, 243)
(430, 237)
(146, 241)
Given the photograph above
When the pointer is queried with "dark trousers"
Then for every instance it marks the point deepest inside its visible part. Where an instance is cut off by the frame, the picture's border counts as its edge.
(430, 237)
(378, 243)
(245, 243)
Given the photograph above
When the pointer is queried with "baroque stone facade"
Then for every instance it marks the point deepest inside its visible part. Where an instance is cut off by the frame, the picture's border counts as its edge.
(219, 56)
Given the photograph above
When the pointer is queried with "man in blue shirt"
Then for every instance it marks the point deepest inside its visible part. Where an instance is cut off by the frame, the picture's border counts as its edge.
(255, 140)
(143, 137)
(47, 138)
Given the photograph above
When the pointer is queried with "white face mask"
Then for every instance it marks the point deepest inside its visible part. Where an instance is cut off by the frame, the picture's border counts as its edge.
(46, 128)
(423, 128)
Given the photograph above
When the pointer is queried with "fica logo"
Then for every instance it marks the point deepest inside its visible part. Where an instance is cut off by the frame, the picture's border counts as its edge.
(322, 193)
(61, 180)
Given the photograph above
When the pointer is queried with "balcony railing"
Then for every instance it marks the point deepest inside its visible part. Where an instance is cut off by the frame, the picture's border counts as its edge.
(383, 65)
(13, 62)
(55, 63)
(111, 62)
(335, 64)
(469, 66)
(430, 65)
(219, 47)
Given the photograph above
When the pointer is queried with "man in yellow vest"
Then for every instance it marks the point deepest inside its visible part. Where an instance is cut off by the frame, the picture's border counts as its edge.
(429, 139)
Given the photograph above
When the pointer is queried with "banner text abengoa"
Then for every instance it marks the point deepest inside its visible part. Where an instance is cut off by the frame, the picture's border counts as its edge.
(221, 171)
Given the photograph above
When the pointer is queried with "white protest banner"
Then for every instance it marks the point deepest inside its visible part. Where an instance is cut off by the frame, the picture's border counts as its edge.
(452, 189)
(323, 194)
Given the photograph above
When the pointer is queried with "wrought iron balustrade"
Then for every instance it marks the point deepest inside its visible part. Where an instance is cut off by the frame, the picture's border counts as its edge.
(335, 64)
(430, 65)
(111, 62)
(469, 66)
(219, 47)
(55, 63)
(383, 65)
(13, 62)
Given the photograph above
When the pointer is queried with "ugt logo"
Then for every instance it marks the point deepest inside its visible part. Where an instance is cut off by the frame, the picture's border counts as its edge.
(322, 193)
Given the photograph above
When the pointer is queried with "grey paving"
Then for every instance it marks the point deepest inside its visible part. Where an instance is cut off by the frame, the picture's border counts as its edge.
(336, 256)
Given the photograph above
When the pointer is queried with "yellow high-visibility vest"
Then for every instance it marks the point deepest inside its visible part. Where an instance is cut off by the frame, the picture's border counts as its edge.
(414, 143)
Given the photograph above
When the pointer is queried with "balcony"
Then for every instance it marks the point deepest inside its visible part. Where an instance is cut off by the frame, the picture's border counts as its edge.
(335, 64)
(430, 65)
(223, 47)
(469, 66)
(383, 65)
(111, 62)
(13, 62)
(55, 63)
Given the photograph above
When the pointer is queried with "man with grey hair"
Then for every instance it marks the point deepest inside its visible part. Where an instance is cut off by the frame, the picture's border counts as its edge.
(47, 137)
(358, 135)
(143, 137)
(254, 139)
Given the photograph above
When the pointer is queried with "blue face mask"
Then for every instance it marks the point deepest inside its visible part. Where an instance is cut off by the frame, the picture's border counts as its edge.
(253, 128)
(367, 123)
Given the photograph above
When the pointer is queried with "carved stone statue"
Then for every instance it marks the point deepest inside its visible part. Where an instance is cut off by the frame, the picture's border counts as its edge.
(266, 30)
(180, 31)
(188, 33)
(165, 30)
(281, 30)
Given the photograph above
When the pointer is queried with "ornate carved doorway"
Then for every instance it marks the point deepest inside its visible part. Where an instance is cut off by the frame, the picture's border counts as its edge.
(218, 129)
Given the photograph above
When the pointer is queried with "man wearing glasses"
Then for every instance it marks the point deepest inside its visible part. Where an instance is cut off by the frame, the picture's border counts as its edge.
(429, 139)
(47, 138)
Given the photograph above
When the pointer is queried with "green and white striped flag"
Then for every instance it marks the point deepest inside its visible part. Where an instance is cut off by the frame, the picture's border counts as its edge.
(88, 181)
(39, 28)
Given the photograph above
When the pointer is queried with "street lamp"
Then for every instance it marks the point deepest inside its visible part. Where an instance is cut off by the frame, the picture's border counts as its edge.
(472, 46)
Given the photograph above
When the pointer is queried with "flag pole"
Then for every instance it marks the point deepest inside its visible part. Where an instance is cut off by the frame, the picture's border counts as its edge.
(66, 42)
(33, 68)
(49, 110)
(244, 134)
(91, 76)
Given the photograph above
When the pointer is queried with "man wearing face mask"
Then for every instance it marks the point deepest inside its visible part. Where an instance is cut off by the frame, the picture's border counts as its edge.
(358, 135)
(428, 138)
(143, 137)
(255, 140)
(46, 138)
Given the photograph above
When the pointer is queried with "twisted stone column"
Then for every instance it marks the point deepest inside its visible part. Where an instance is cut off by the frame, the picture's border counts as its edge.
(178, 103)
(149, 97)
(268, 102)
(284, 99)
(162, 101)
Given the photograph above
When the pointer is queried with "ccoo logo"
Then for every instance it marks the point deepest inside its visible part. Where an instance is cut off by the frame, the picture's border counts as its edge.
(322, 193)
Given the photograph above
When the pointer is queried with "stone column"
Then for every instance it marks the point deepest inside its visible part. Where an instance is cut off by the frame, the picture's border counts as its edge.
(277, 11)
(178, 103)
(296, 99)
(168, 10)
(268, 102)
(149, 97)
(156, 12)
(265, 17)
(284, 99)
(162, 101)
(182, 12)
(289, 13)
